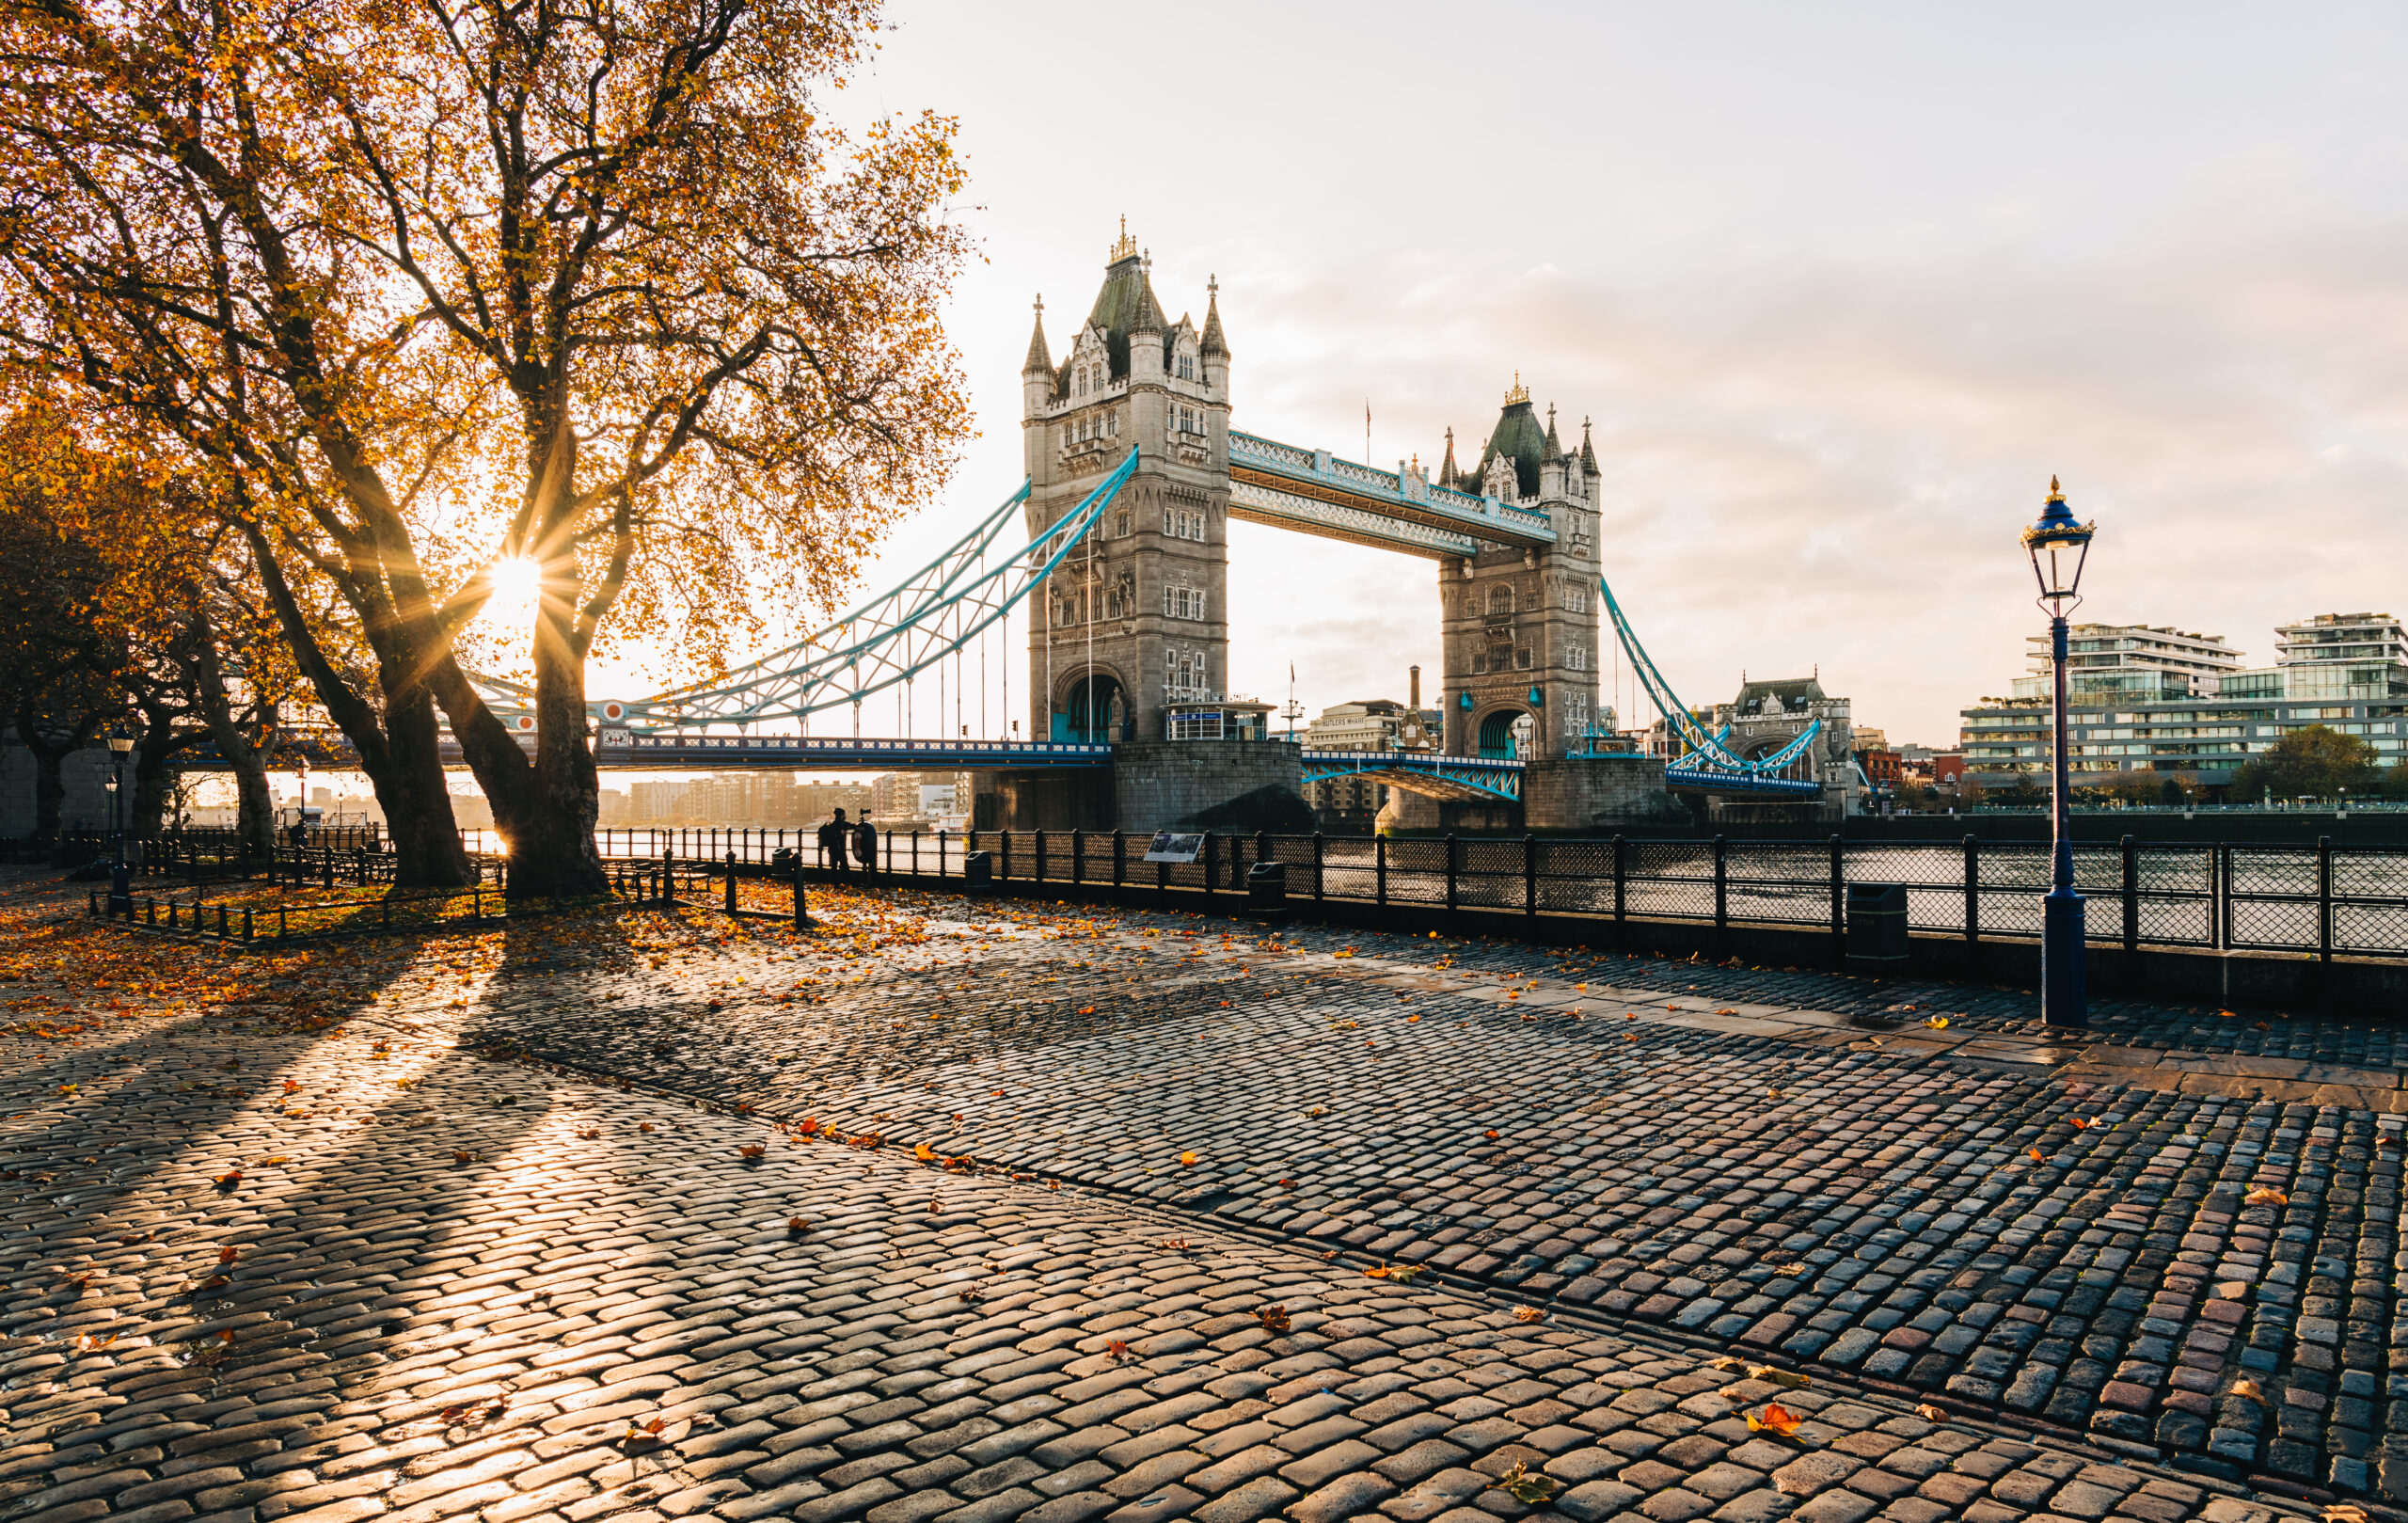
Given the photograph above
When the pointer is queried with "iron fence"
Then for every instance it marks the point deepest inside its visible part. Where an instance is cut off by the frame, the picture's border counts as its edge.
(2322, 900)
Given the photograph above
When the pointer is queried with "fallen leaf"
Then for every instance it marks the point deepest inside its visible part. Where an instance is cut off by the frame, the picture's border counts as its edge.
(798, 1224)
(924, 1153)
(751, 1150)
(1789, 1269)
(1524, 1487)
(229, 1178)
(1930, 1413)
(1377, 1272)
(2037, 1156)
(1118, 1350)
(644, 1126)
(1528, 1314)
(2266, 1194)
(2246, 1387)
(1187, 1160)
(1937, 1022)
(1490, 1133)
(1776, 1419)
(1778, 1376)
(1274, 1318)
(2079, 1123)
(2345, 1513)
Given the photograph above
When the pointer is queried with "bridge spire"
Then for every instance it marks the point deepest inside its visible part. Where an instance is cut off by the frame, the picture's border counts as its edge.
(1215, 341)
(1446, 472)
(1039, 357)
(1554, 445)
(1588, 450)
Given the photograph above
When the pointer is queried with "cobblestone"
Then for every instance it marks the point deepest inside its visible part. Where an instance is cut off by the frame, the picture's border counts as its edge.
(447, 1285)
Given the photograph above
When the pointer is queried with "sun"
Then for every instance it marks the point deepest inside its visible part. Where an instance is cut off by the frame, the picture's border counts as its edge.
(515, 579)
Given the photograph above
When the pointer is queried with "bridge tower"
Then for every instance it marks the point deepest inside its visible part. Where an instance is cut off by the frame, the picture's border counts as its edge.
(1521, 625)
(1147, 594)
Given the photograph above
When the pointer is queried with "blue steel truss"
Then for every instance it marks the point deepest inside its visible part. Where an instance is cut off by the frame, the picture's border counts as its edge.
(1708, 763)
(889, 640)
(1464, 778)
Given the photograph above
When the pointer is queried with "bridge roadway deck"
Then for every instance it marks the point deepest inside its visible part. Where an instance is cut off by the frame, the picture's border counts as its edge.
(455, 1287)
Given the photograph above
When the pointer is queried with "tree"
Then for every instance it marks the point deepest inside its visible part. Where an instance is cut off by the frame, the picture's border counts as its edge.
(432, 288)
(161, 624)
(60, 664)
(2014, 790)
(2314, 762)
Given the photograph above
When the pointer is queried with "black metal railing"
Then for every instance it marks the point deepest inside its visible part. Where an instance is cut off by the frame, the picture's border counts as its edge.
(2322, 900)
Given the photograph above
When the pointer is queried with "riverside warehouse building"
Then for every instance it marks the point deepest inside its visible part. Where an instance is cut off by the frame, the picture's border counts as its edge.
(2148, 700)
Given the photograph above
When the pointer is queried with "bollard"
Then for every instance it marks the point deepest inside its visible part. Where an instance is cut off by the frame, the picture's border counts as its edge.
(802, 911)
(247, 922)
(731, 883)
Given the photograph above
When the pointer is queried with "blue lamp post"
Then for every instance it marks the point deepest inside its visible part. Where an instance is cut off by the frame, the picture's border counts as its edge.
(2059, 543)
(120, 880)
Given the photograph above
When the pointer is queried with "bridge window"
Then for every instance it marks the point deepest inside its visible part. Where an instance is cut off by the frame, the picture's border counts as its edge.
(1500, 599)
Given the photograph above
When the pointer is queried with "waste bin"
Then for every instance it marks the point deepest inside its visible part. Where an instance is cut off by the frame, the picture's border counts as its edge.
(979, 872)
(1266, 891)
(1876, 923)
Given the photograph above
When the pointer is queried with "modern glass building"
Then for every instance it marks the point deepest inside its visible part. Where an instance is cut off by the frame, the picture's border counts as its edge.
(2151, 699)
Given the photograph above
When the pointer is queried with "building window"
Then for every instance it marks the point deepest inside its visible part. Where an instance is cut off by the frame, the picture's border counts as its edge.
(1500, 599)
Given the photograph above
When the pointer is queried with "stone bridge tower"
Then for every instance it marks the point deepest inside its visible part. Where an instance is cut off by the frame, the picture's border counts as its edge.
(1521, 626)
(1147, 594)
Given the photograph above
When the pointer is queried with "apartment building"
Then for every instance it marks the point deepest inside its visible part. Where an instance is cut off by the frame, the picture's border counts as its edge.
(2156, 709)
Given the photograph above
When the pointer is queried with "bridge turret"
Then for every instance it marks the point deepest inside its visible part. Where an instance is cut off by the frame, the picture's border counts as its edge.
(1142, 620)
(1521, 625)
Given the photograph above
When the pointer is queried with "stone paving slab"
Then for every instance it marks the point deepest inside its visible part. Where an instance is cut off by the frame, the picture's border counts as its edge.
(447, 1288)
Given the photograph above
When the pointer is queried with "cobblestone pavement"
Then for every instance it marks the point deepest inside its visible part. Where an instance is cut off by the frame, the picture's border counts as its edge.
(309, 1259)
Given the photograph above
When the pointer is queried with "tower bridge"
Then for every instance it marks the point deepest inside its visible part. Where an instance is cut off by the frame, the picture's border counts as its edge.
(1115, 548)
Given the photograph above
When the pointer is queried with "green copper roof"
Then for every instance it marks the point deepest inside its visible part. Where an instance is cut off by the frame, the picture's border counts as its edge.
(1518, 434)
(1126, 304)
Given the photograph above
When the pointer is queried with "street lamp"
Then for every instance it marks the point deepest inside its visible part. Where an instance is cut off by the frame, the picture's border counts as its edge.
(2059, 543)
(120, 881)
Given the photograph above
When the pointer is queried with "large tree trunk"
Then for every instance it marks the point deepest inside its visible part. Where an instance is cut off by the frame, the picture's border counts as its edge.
(416, 799)
(50, 783)
(254, 807)
(564, 799)
(400, 753)
(50, 793)
(144, 811)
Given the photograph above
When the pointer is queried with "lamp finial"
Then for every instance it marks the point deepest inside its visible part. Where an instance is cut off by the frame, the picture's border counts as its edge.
(2056, 493)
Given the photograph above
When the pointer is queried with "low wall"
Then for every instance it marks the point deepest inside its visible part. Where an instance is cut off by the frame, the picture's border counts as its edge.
(1227, 785)
(1599, 794)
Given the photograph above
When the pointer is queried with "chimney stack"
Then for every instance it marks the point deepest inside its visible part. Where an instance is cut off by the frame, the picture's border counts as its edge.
(1417, 691)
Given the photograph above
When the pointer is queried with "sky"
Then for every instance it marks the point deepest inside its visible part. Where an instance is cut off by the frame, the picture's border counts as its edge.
(1839, 286)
